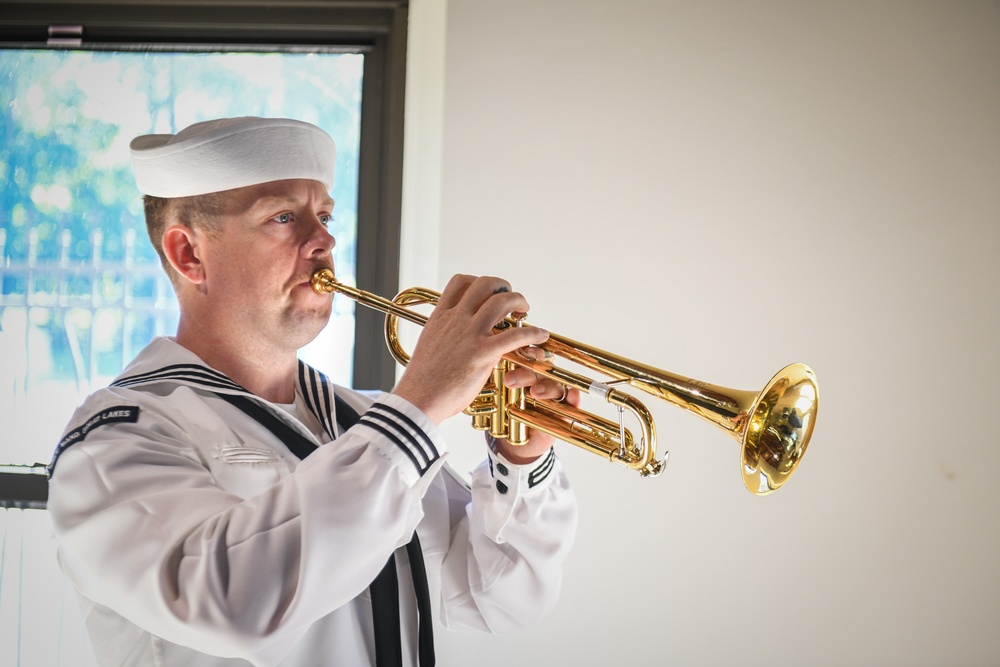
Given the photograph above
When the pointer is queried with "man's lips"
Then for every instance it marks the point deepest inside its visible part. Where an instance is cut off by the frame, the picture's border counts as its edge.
(306, 280)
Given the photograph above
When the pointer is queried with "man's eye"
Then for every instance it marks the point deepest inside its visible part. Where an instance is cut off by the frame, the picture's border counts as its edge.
(327, 220)
(283, 218)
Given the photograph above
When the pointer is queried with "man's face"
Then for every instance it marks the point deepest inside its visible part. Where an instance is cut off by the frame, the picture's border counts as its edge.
(270, 239)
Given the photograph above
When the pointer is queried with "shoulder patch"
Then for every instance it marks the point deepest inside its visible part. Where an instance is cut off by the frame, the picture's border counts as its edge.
(112, 415)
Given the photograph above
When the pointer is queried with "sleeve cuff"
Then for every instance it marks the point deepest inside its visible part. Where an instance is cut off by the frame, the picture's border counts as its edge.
(406, 435)
(511, 478)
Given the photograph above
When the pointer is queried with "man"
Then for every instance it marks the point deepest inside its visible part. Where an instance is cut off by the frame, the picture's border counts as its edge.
(222, 503)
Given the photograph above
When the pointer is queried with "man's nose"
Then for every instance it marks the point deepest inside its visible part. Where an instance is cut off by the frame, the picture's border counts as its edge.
(320, 241)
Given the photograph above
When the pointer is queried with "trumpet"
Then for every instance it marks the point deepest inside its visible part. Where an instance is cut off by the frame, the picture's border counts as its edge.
(773, 426)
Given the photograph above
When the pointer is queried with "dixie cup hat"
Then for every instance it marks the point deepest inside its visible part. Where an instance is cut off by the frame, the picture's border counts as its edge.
(228, 153)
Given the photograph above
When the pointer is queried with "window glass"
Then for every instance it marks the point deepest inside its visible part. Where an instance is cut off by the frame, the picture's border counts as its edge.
(81, 288)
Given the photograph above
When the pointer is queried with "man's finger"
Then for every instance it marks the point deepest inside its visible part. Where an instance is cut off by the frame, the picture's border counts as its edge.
(455, 290)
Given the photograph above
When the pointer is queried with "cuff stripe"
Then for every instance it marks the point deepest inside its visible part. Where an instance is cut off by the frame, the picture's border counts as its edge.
(420, 438)
(403, 433)
(394, 438)
(538, 475)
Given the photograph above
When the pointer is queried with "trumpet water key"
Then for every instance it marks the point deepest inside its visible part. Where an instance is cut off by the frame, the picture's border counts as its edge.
(773, 425)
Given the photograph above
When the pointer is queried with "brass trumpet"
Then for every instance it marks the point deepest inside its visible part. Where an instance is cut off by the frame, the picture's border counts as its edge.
(773, 425)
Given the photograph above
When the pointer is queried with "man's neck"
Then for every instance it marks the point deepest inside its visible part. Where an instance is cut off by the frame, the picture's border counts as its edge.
(257, 367)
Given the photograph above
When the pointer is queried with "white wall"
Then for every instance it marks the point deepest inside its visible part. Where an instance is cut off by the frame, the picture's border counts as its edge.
(720, 188)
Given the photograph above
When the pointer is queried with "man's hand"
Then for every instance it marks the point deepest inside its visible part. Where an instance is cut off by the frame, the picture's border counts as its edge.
(457, 349)
(541, 388)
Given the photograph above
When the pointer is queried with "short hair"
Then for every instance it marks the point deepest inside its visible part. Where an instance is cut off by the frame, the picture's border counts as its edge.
(196, 212)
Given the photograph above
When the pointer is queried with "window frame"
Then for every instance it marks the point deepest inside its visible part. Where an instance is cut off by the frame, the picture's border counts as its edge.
(378, 28)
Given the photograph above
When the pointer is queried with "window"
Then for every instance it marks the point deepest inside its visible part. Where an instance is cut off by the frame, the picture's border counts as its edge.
(80, 288)
(68, 53)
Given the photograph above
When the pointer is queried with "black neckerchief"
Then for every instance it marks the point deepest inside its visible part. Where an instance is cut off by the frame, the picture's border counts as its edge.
(385, 587)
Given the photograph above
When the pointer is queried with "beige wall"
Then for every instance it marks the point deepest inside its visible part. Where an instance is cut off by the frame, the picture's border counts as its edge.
(720, 188)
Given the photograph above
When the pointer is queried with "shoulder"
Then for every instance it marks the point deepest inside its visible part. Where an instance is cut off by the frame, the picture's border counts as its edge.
(131, 414)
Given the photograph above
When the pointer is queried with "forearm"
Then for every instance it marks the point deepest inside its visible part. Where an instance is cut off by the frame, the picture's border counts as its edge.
(505, 567)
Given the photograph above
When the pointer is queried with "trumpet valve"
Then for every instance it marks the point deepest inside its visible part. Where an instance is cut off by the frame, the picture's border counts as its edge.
(483, 407)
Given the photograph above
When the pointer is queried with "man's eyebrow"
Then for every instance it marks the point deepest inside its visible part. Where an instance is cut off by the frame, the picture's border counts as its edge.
(269, 201)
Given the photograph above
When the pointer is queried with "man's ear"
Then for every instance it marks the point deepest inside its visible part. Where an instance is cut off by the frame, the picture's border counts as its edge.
(180, 246)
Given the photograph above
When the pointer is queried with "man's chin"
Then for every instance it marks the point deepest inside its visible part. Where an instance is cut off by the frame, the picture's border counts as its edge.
(305, 323)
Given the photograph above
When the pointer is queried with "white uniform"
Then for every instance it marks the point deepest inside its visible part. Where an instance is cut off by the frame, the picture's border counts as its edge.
(194, 537)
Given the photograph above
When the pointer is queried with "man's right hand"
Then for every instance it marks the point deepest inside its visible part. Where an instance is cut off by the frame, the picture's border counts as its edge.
(458, 349)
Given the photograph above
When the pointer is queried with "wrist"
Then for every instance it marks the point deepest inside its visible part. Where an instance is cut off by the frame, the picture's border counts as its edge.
(422, 401)
(516, 454)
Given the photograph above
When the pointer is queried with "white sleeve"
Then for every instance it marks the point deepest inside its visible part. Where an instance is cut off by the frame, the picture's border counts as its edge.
(504, 568)
(142, 527)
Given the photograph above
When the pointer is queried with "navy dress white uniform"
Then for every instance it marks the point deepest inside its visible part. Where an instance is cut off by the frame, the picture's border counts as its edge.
(203, 525)
(194, 536)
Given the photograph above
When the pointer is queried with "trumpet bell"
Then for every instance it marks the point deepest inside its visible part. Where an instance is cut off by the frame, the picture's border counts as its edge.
(779, 425)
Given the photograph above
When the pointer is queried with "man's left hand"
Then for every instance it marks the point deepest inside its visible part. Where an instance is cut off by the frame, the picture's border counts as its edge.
(538, 387)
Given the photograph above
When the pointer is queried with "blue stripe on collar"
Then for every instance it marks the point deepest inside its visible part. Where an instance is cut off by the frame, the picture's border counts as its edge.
(315, 388)
(188, 373)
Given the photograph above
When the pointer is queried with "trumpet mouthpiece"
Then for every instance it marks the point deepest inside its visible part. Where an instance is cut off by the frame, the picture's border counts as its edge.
(324, 282)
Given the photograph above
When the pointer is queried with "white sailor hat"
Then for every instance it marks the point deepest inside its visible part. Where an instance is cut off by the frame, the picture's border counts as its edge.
(228, 153)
